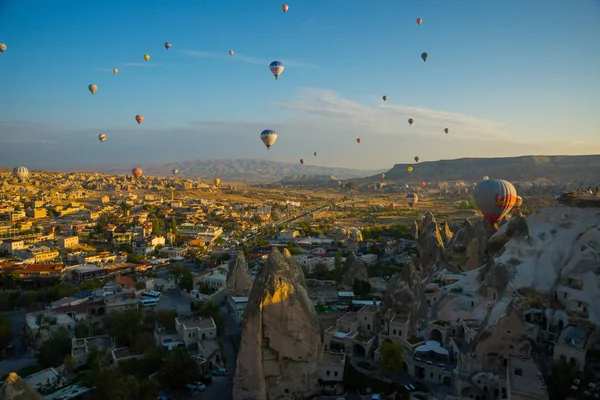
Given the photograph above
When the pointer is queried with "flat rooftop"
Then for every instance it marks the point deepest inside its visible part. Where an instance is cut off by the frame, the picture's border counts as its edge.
(196, 322)
(332, 358)
(574, 336)
(529, 382)
(349, 317)
(368, 309)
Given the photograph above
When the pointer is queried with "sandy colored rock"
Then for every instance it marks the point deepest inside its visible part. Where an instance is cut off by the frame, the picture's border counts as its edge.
(15, 388)
(352, 271)
(281, 342)
(238, 278)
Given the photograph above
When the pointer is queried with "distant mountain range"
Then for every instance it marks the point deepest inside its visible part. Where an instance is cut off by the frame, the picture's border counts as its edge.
(236, 170)
(553, 168)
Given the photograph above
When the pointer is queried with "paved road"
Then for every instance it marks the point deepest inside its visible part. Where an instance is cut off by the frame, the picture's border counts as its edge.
(19, 356)
(174, 300)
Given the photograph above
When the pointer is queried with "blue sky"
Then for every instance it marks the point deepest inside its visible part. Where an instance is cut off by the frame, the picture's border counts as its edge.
(507, 78)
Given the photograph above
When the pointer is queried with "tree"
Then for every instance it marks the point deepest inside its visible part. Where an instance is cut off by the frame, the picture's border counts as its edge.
(53, 351)
(179, 369)
(392, 357)
(563, 374)
(174, 226)
(124, 326)
(6, 333)
(362, 289)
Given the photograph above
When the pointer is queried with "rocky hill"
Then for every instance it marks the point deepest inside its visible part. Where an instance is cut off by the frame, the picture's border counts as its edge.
(553, 168)
(239, 170)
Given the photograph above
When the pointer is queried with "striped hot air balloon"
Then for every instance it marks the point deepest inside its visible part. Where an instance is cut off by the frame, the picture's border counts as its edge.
(495, 198)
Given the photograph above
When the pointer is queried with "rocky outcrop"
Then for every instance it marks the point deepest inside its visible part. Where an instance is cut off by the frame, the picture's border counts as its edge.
(281, 343)
(414, 230)
(352, 271)
(350, 237)
(466, 249)
(296, 268)
(15, 388)
(431, 244)
(405, 296)
(238, 278)
(446, 234)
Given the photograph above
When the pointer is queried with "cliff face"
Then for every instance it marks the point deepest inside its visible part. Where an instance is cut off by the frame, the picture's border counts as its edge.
(353, 270)
(281, 341)
(15, 388)
(405, 296)
(431, 244)
(238, 279)
(466, 249)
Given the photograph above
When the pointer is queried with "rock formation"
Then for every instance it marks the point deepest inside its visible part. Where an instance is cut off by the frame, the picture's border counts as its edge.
(352, 271)
(15, 388)
(296, 268)
(350, 237)
(405, 296)
(466, 249)
(238, 279)
(281, 342)
(431, 244)
(414, 229)
(446, 234)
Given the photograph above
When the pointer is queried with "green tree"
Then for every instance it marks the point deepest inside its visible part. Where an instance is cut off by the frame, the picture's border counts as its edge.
(392, 357)
(563, 374)
(135, 258)
(362, 289)
(53, 351)
(179, 369)
(174, 226)
(124, 326)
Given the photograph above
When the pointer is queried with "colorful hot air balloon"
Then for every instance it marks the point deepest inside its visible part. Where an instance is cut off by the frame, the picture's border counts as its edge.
(268, 137)
(21, 173)
(518, 202)
(217, 182)
(419, 21)
(175, 172)
(464, 205)
(485, 178)
(409, 169)
(446, 130)
(392, 206)
(358, 140)
(416, 158)
(495, 198)
(384, 98)
(102, 137)
(230, 52)
(410, 121)
(2, 47)
(382, 176)
(422, 184)
(146, 57)
(115, 70)
(276, 68)
(136, 172)
(139, 118)
(424, 56)
(302, 161)
(412, 199)
(315, 153)
(167, 46)
(285, 8)
(92, 88)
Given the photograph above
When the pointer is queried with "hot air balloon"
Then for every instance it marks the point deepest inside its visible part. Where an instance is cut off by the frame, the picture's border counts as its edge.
(102, 137)
(424, 56)
(146, 57)
(473, 204)
(136, 172)
(139, 118)
(268, 137)
(315, 153)
(410, 121)
(419, 21)
(412, 199)
(230, 52)
(446, 130)
(464, 205)
(485, 178)
(416, 158)
(358, 140)
(217, 182)
(167, 46)
(21, 173)
(518, 202)
(495, 198)
(422, 184)
(92, 88)
(302, 161)
(276, 68)
(382, 176)
(392, 206)
(409, 169)
(285, 7)
(384, 98)
(175, 172)
(115, 70)
(2, 47)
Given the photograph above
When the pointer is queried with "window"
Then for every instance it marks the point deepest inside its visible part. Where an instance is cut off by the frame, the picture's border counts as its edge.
(328, 373)
(335, 373)
(368, 327)
(518, 372)
(394, 331)
(578, 304)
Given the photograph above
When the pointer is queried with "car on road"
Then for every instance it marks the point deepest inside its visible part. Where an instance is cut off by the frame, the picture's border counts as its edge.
(376, 396)
(219, 372)
(163, 397)
(201, 386)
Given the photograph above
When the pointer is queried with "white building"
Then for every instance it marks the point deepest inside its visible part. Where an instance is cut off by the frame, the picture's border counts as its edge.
(237, 305)
(214, 281)
(192, 329)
